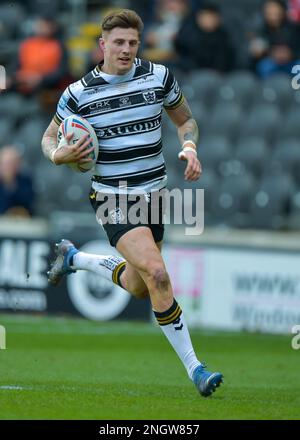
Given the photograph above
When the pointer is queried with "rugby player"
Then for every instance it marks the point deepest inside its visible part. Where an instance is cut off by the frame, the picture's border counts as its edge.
(123, 98)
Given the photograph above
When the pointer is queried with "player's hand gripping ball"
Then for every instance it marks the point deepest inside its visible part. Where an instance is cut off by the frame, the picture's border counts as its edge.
(79, 127)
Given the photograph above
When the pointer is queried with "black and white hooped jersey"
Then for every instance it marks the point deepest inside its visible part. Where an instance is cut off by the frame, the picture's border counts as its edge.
(125, 112)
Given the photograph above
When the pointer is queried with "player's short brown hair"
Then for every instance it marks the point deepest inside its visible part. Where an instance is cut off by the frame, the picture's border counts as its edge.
(125, 18)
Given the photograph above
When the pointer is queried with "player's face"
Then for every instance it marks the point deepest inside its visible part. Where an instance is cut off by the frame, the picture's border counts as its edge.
(119, 47)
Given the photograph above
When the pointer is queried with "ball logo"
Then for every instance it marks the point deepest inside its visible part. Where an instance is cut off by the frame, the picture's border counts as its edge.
(93, 296)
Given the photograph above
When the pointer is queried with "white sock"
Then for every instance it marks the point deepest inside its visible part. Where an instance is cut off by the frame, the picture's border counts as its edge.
(108, 266)
(174, 326)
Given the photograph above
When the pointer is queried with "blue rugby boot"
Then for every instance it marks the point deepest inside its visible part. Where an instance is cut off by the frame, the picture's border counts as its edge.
(206, 382)
(61, 265)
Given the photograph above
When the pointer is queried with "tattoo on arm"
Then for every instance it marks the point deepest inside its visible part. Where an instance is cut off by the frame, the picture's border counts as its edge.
(187, 126)
(49, 142)
(188, 131)
(192, 132)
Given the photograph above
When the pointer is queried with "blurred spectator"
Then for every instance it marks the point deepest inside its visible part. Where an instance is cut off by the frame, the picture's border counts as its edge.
(47, 6)
(203, 42)
(16, 193)
(42, 59)
(160, 35)
(275, 45)
(294, 10)
(281, 59)
(142, 8)
(95, 56)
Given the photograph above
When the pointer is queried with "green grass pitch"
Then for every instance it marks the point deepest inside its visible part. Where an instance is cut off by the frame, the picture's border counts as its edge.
(60, 368)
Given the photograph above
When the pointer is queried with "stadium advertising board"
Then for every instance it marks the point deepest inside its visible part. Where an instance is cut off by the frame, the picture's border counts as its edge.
(99, 299)
(24, 286)
(23, 280)
(185, 266)
(251, 290)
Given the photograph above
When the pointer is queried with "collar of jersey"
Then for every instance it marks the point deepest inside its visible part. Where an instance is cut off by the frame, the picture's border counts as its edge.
(114, 79)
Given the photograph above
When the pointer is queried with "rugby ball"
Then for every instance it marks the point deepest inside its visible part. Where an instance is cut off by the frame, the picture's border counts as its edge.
(80, 127)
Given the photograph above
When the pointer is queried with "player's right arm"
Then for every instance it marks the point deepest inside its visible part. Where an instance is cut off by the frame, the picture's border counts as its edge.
(67, 153)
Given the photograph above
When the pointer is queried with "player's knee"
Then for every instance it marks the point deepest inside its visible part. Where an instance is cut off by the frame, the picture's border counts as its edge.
(159, 276)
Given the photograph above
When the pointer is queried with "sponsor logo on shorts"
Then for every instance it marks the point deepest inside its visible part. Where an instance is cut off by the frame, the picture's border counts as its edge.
(116, 215)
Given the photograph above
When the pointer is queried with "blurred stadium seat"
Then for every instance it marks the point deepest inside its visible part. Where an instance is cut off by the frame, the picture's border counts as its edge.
(232, 199)
(49, 181)
(200, 113)
(6, 130)
(77, 194)
(290, 127)
(12, 105)
(278, 90)
(270, 206)
(253, 153)
(29, 138)
(264, 120)
(224, 120)
(240, 87)
(287, 156)
(10, 19)
(202, 85)
(213, 150)
(293, 221)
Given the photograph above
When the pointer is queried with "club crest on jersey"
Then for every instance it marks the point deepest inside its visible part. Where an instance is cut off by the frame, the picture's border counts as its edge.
(116, 216)
(150, 97)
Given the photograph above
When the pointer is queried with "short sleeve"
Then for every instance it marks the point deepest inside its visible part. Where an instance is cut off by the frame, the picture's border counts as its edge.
(173, 95)
(67, 104)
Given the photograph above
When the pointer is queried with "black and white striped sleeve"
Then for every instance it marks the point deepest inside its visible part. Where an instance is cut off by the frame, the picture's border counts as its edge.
(68, 103)
(173, 95)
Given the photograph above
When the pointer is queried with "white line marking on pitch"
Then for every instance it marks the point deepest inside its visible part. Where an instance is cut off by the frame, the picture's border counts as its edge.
(12, 387)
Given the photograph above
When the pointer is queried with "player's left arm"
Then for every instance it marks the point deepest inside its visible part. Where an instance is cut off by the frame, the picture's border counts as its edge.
(188, 135)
